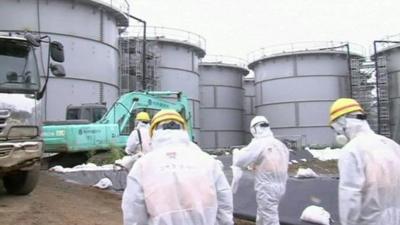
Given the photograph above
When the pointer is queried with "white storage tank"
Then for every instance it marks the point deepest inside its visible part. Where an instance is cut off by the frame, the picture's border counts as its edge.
(221, 101)
(296, 86)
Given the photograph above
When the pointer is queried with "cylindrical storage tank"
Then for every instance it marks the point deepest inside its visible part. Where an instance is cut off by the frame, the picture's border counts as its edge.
(295, 89)
(177, 53)
(89, 32)
(392, 60)
(221, 101)
(249, 110)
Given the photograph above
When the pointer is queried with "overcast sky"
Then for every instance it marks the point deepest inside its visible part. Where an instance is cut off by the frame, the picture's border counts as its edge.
(237, 27)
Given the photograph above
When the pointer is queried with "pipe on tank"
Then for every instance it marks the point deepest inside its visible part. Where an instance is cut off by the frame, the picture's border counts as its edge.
(143, 49)
(347, 46)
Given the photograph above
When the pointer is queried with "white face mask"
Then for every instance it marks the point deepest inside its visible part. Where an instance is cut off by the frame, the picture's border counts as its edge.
(340, 126)
(258, 131)
(341, 140)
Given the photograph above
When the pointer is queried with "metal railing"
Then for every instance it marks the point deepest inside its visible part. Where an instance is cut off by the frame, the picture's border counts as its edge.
(225, 60)
(388, 41)
(121, 5)
(167, 33)
(304, 46)
(393, 37)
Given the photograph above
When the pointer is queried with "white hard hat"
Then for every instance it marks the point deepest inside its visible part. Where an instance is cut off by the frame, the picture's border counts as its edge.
(258, 119)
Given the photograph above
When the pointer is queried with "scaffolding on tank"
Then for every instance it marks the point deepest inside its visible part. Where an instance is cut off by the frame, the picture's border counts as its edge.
(131, 66)
(382, 83)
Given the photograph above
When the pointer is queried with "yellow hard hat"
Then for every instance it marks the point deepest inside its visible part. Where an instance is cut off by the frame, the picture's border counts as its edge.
(166, 115)
(343, 106)
(142, 116)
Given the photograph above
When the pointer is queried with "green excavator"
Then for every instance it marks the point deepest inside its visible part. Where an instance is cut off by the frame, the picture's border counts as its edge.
(113, 129)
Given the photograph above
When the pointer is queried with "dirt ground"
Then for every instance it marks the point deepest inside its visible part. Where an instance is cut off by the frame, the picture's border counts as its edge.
(55, 202)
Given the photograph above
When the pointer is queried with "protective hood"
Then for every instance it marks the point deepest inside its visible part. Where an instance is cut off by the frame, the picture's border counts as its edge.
(169, 137)
(355, 127)
(352, 127)
(140, 124)
(258, 119)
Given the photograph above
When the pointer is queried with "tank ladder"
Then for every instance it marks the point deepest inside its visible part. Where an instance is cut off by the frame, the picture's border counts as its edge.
(362, 88)
(127, 66)
(131, 66)
(151, 68)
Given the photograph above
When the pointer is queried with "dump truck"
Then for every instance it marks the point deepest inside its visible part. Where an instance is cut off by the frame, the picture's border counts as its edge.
(113, 129)
(21, 145)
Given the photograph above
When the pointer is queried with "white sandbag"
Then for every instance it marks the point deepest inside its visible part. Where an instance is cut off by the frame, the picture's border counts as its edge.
(58, 169)
(103, 183)
(315, 214)
(326, 154)
(87, 166)
(306, 173)
(127, 161)
(83, 167)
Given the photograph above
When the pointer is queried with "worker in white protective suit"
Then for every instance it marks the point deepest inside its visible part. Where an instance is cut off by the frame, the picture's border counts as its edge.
(176, 183)
(139, 139)
(138, 142)
(269, 158)
(369, 173)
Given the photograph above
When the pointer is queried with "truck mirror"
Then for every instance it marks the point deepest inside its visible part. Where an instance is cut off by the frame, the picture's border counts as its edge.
(57, 70)
(32, 39)
(57, 51)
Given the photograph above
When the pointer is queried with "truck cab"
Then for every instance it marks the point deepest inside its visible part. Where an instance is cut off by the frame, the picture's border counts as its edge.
(21, 145)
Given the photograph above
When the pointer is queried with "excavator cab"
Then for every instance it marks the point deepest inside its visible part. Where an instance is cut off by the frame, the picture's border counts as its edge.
(90, 112)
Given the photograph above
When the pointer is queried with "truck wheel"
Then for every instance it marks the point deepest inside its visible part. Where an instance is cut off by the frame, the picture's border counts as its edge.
(22, 182)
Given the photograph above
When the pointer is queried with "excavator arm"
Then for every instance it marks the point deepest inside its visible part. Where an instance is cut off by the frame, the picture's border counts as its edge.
(127, 104)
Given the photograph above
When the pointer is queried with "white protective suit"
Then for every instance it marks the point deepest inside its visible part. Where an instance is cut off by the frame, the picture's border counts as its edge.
(176, 184)
(133, 144)
(269, 157)
(369, 177)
